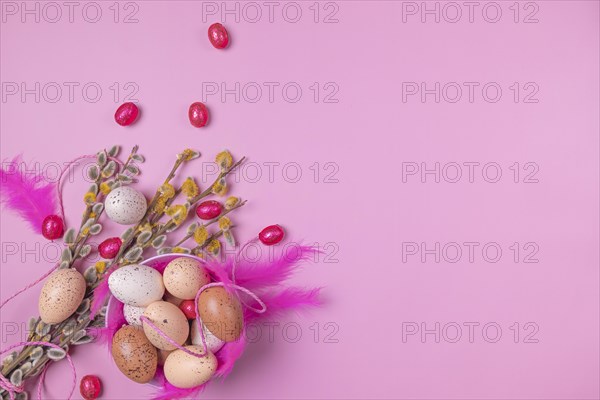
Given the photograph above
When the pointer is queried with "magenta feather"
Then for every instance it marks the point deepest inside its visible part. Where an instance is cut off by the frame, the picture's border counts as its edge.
(285, 300)
(228, 355)
(260, 274)
(28, 194)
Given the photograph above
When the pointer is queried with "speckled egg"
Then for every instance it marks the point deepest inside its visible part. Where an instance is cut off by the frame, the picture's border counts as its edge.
(132, 314)
(125, 205)
(136, 285)
(213, 343)
(185, 371)
(222, 313)
(184, 276)
(134, 355)
(170, 320)
(61, 295)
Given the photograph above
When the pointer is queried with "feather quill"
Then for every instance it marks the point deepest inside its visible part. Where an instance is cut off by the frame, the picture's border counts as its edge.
(27, 194)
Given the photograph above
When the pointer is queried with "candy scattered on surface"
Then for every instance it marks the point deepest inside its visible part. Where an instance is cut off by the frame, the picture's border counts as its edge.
(90, 387)
(218, 36)
(271, 235)
(198, 114)
(126, 114)
(110, 247)
(52, 227)
(209, 209)
(189, 308)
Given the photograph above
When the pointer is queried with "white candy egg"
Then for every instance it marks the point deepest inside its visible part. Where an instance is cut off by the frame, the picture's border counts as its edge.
(132, 314)
(213, 343)
(136, 285)
(125, 205)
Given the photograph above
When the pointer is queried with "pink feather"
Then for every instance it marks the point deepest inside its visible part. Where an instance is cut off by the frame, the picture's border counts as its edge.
(260, 274)
(228, 355)
(27, 193)
(285, 300)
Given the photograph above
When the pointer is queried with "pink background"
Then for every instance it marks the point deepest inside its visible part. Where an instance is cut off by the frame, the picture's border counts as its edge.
(359, 206)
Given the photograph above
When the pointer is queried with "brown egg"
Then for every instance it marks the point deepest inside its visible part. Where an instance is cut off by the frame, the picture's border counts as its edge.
(185, 371)
(61, 295)
(162, 356)
(170, 320)
(222, 313)
(134, 355)
(184, 276)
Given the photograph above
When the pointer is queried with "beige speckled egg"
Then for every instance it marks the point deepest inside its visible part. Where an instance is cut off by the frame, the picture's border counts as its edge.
(170, 320)
(184, 276)
(132, 314)
(185, 371)
(222, 313)
(134, 355)
(125, 205)
(61, 295)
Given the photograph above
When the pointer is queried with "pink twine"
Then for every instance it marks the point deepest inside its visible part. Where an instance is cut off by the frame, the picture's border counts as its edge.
(12, 389)
(29, 286)
(262, 309)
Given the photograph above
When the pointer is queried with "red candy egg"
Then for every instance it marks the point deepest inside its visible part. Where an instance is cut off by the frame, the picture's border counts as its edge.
(198, 114)
(271, 235)
(90, 387)
(209, 209)
(110, 247)
(189, 308)
(52, 227)
(218, 36)
(126, 114)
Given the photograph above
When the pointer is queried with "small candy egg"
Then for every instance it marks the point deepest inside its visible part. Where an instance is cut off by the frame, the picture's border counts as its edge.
(61, 295)
(271, 235)
(136, 285)
(134, 355)
(218, 36)
(209, 209)
(185, 371)
(90, 387)
(213, 343)
(170, 320)
(189, 308)
(110, 247)
(132, 314)
(184, 276)
(222, 313)
(125, 205)
(52, 227)
(198, 114)
(126, 114)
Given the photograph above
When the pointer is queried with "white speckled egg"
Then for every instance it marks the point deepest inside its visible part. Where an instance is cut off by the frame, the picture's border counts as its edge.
(132, 314)
(136, 285)
(213, 343)
(185, 371)
(125, 205)
(184, 276)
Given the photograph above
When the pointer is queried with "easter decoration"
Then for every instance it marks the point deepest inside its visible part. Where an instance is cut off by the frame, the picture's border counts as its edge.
(171, 308)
